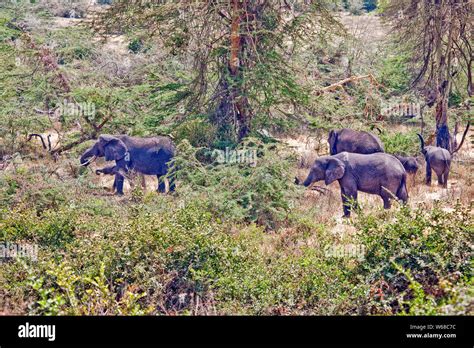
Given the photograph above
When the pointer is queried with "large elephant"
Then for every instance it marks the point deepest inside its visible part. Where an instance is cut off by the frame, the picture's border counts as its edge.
(437, 159)
(353, 141)
(149, 156)
(379, 173)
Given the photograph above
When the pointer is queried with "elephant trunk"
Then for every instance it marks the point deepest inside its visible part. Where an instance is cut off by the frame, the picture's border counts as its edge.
(88, 157)
(309, 180)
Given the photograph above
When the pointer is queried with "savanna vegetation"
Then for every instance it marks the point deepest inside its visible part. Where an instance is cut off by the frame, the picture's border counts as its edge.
(265, 79)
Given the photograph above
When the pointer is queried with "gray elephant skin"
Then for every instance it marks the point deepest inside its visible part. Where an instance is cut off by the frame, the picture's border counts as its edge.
(353, 141)
(148, 156)
(437, 159)
(379, 173)
(409, 163)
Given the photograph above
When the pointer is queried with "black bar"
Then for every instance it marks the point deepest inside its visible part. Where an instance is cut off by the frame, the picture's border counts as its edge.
(288, 331)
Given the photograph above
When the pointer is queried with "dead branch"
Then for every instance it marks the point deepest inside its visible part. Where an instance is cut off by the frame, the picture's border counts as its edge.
(341, 83)
(39, 136)
(84, 138)
(43, 112)
(463, 137)
(320, 189)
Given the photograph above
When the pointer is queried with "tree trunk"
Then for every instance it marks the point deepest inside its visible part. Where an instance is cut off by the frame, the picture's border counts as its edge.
(443, 81)
(234, 105)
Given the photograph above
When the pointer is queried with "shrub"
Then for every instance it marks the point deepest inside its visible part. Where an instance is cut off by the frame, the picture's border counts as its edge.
(394, 72)
(413, 258)
(197, 131)
(401, 143)
(261, 193)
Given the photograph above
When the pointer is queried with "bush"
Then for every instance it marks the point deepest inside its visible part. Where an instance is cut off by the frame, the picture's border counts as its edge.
(197, 131)
(175, 255)
(53, 229)
(394, 72)
(414, 261)
(72, 44)
(401, 143)
(260, 191)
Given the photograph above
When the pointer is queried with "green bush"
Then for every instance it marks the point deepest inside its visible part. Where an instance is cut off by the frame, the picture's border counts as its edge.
(55, 228)
(72, 44)
(260, 191)
(417, 258)
(401, 143)
(394, 72)
(197, 131)
(174, 255)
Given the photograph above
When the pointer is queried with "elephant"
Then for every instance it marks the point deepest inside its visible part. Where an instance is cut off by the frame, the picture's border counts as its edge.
(409, 163)
(353, 141)
(437, 159)
(379, 173)
(148, 156)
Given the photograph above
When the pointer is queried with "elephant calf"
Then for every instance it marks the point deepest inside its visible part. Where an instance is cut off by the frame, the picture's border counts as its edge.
(437, 159)
(409, 163)
(379, 173)
(149, 156)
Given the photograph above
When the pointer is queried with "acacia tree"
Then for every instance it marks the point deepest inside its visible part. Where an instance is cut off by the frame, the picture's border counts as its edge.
(240, 50)
(439, 36)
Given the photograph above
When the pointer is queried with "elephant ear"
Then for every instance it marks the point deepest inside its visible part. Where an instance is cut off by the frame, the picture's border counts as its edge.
(334, 170)
(114, 148)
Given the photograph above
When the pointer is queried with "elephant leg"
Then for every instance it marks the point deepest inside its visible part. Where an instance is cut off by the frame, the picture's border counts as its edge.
(386, 200)
(119, 183)
(161, 185)
(428, 173)
(109, 170)
(440, 179)
(348, 195)
(445, 177)
(402, 193)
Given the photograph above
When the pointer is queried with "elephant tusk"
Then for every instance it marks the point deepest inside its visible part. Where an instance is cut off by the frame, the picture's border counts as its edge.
(89, 161)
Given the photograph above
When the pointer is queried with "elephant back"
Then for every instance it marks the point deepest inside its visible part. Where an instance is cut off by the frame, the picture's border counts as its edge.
(358, 142)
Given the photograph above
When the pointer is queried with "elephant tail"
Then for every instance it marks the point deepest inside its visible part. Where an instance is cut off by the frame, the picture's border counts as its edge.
(402, 192)
(421, 141)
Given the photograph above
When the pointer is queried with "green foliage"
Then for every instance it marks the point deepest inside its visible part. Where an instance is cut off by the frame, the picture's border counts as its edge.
(256, 186)
(197, 131)
(416, 255)
(401, 143)
(53, 228)
(72, 44)
(160, 254)
(161, 261)
(135, 45)
(395, 73)
(455, 99)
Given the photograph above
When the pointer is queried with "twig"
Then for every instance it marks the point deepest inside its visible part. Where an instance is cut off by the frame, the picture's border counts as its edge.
(346, 81)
